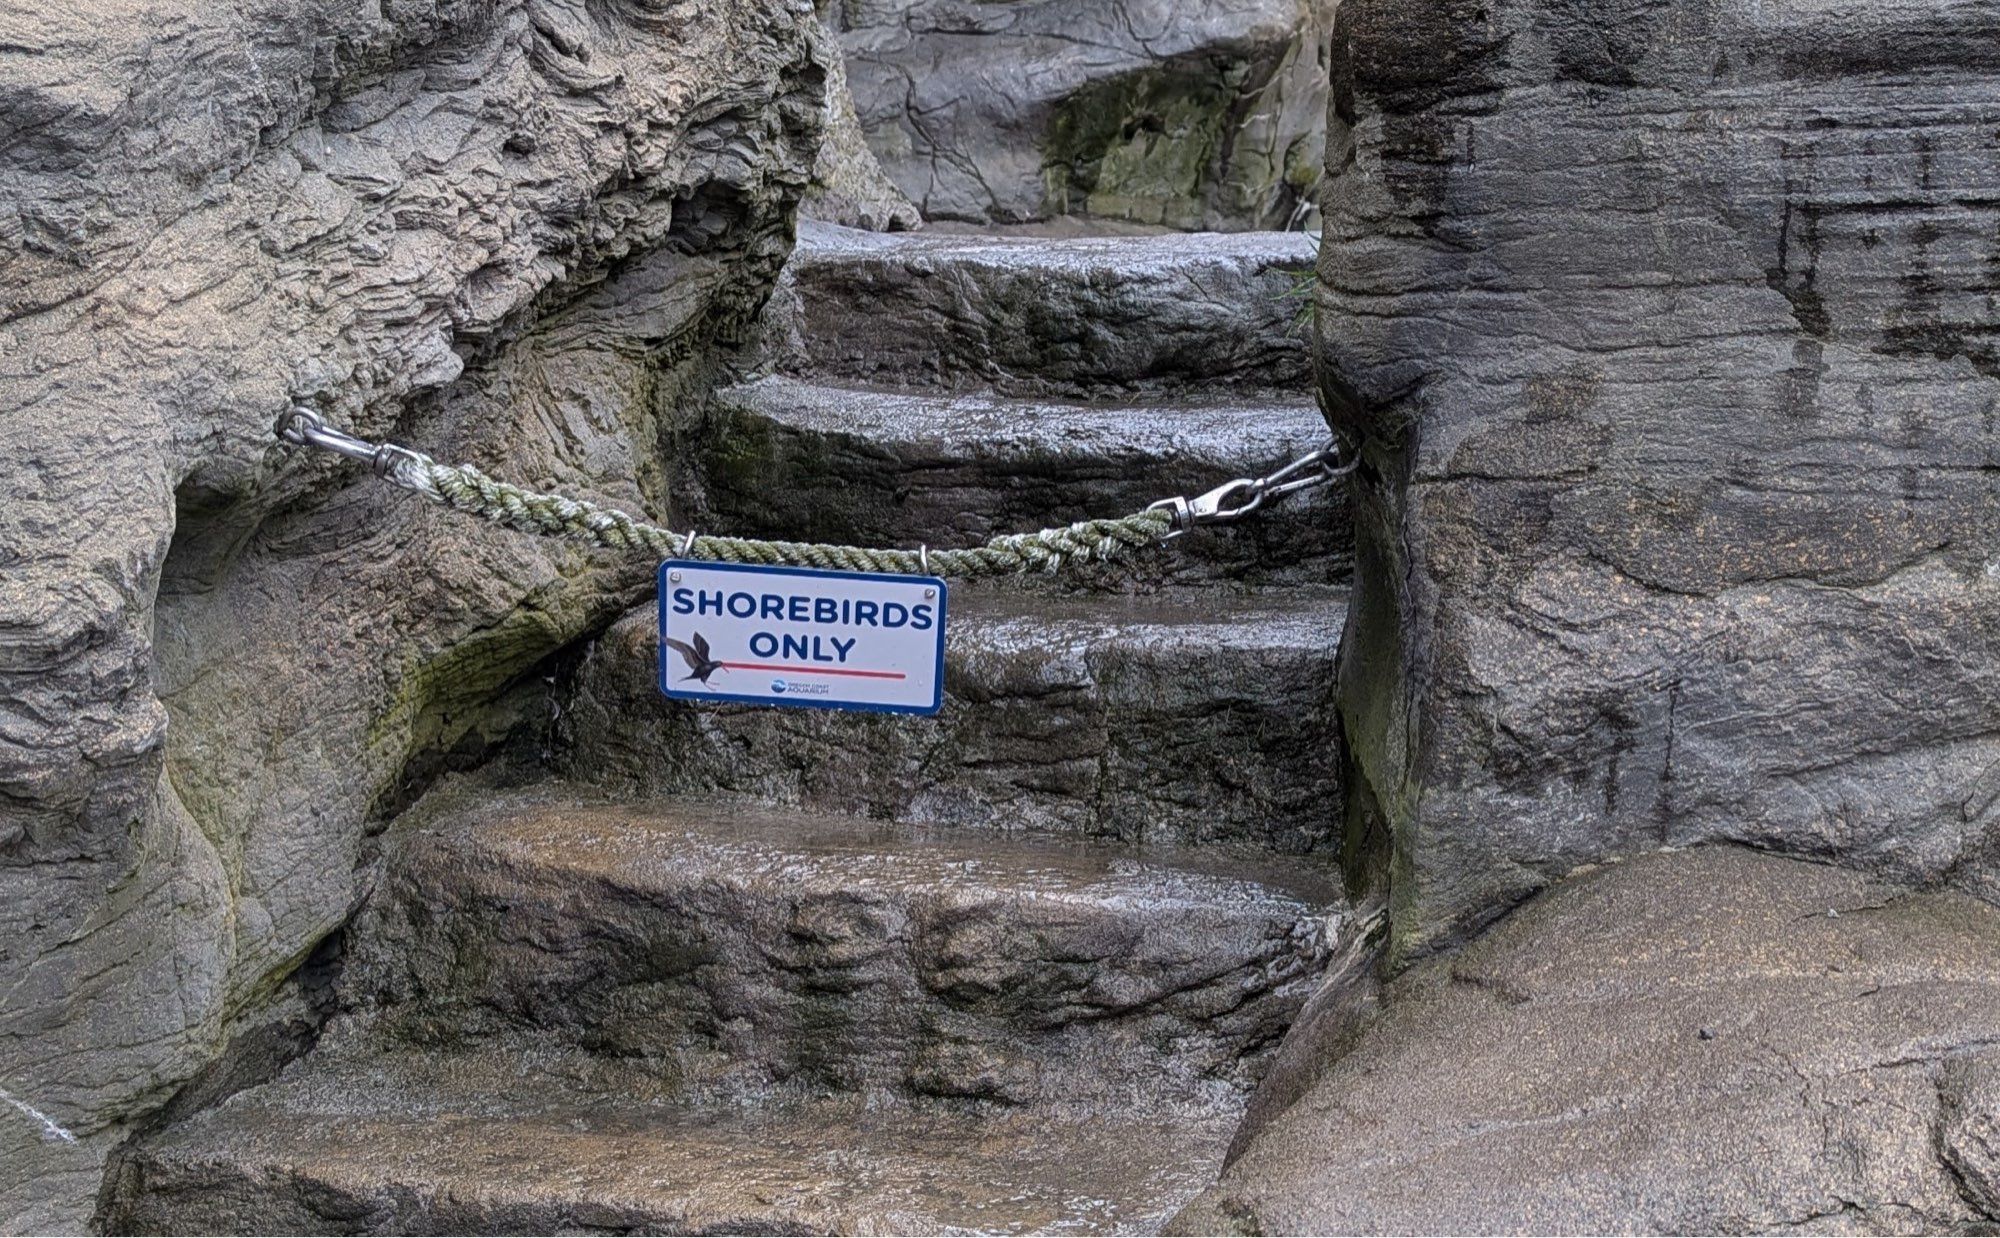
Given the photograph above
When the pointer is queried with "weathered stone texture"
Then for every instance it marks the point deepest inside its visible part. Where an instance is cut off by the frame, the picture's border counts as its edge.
(1161, 112)
(730, 951)
(404, 1147)
(1713, 1041)
(511, 231)
(1165, 720)
(1667, 332)
(849, 186)
(1969, 1135)
(692, 1017)
(1093, 317)
(813, 462)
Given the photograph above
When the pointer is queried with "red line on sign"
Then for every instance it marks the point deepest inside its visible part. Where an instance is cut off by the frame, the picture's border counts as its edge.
(813, 670)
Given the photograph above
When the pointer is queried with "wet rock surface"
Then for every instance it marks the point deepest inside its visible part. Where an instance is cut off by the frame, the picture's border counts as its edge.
(689, 1017)
(1667, 334)
(1170, 719)
(1706, 1041)
(1188, 115)
(517, 232)
(536, 236)
(370, 1149)
(1664, 331)
(1044, 316)
(733, 951)
(1183, 697)
(848, 185)
(859, 467)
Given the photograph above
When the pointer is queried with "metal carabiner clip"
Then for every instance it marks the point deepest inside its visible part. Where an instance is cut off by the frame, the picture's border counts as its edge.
(1233, 500)
(1218, 506)
(302, 427)
(1325, 467)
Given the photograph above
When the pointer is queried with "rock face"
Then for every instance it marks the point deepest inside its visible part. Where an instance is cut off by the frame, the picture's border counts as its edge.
(1713, 1041)
(848, 185)
(513, 231)
(1155, 720)
(1161, 112)
(374, 1148)
(1667, 333)
(904, 468)
(1186, 316)
(734, 951)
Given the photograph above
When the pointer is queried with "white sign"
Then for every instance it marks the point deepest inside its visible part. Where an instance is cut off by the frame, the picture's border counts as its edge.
(796, 636)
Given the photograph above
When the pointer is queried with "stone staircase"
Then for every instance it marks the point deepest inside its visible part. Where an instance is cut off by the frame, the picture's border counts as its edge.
(1160, 718)
(1012, 969)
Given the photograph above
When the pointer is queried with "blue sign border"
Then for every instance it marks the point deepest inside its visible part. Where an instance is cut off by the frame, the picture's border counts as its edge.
(660, 639)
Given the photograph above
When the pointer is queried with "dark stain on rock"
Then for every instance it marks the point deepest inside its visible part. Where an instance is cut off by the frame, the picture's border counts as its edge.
(1153, 145)
(1603, 42)
(1498, 986)
(1919, 326)
(1622, 727)
(1663, 802)
(1424, 152)
(1798, 225)
(1799, 389)
(1411, 54)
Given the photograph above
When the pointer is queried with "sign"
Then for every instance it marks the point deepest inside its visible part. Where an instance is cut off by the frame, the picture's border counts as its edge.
(798, 636)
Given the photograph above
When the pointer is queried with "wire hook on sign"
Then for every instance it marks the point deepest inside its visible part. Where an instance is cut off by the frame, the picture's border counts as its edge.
(464, 488)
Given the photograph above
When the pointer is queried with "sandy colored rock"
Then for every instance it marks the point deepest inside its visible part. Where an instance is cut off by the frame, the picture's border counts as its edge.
(1704, 1041)
(730, 951)
(370, 1149)
(689, 1017)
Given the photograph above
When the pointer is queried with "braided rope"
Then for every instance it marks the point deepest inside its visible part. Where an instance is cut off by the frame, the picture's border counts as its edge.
(464, 488)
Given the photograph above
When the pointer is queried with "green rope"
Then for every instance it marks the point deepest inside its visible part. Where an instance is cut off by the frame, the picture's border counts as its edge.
(464, 488)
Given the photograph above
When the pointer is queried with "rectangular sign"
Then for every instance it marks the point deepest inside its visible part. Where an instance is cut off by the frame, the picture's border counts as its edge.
(798, 636)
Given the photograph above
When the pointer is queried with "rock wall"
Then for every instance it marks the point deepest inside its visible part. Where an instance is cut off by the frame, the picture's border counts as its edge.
(519, 232)
(1667, 331)
(1160, 112)
(848, 185)
(1708, 1041)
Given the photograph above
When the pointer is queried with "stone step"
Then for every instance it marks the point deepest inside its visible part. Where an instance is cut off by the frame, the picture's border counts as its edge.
(1035, 314)
(1189, 717)
(813, 462)
(736, 951)
(373, 1149)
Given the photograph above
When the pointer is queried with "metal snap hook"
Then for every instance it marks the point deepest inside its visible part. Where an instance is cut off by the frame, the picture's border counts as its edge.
(302, 427)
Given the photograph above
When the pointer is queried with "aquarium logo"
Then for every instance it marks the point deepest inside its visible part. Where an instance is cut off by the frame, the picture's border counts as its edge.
(778, 686)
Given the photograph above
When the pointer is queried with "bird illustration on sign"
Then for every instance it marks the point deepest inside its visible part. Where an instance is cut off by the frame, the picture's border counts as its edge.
(700, 665)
